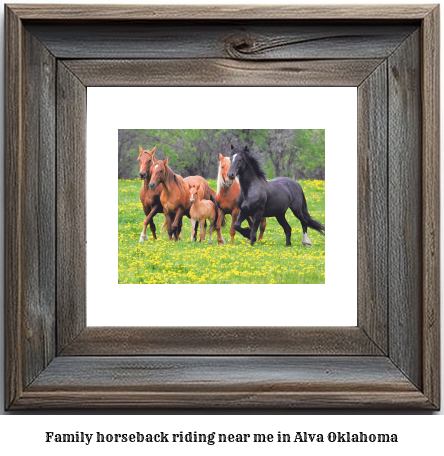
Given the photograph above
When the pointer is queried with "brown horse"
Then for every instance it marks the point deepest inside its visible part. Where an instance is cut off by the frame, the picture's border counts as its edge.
(175, 196)
(150, 198)
(202, 210)
(226, 196)
(205, 194)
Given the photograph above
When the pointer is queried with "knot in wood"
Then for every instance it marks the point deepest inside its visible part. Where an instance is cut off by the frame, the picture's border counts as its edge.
(239, 45)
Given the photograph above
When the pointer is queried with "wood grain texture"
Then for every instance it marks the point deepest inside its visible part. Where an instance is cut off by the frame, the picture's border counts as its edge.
(209, 373)
(405, 209)
(209, 72)
(236, 40)
(233, 382)
(127, 341)
(71, 206)
(246, 401)
(430, 93)
(220, 12)
(38, 210)
(13, 209)
(373, 207)
(89, 374)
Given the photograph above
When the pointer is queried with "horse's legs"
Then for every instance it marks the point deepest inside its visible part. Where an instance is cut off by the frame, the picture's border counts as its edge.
(211, 231)
(298, 213)
(234, 215)
(147, 210)
(202, 230)
(179, 229)
(214, 226)
(143, 234)
(153, 229)
(218, 227)
(287, 228)
(262, 226)
(305, 239)
(193, 229)
(177, 224)
(168, 224)
(237, 226)
(220, 217)
(220, 239)
(155, 210)
(256, 221)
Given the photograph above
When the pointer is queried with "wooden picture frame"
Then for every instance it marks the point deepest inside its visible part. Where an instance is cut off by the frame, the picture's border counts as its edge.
(390, 360)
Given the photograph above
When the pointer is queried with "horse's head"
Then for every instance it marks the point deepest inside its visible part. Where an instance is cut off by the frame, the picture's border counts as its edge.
(237, 161)
(225, 163)
(157, 173)
(146, 160)
(194, 195)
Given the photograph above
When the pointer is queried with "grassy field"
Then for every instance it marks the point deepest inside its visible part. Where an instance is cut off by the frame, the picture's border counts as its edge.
(268, 261)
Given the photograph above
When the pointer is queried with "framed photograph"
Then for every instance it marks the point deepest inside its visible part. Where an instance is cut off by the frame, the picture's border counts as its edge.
(186, 269)
(57, 56)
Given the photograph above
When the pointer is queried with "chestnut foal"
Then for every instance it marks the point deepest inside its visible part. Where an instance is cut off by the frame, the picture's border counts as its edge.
(202, 210)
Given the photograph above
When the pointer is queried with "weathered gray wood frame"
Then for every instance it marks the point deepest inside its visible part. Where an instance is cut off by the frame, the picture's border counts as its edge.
(390, 360)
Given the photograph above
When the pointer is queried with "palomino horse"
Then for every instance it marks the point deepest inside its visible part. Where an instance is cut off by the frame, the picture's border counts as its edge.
(226, 196)
(175, 197)
(202, 210)
(261, 198)
(150, 198)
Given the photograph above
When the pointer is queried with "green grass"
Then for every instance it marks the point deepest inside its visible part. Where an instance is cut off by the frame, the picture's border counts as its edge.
(268, 261)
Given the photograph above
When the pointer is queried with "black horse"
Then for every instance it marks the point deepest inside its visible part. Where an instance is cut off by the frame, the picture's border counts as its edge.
(261, 198)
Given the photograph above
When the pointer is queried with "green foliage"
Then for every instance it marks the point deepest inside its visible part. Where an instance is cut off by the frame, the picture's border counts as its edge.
(292, 153)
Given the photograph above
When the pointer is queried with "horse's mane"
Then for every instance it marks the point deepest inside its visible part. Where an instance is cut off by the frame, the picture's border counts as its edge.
(253, 159)
(178, 179)
(220, 180)
(147, 179)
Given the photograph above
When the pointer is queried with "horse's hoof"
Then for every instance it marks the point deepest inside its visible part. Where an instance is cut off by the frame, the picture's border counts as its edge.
(142, 238)
(306, 240)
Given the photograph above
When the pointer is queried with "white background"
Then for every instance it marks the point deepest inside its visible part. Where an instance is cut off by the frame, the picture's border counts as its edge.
(22, 434)
(329, 304)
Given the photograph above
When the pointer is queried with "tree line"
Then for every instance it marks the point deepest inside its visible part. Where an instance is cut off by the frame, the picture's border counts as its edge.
(298, 154)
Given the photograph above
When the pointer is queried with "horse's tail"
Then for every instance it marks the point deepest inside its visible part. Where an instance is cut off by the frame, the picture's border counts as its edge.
(164, 227)
(216, 209)
(224, 220)
(311, 223)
